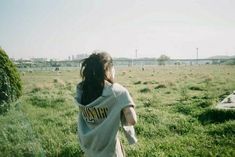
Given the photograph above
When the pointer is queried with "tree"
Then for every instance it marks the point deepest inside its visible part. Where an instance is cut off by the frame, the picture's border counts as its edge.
(10, 82)
(162, 59)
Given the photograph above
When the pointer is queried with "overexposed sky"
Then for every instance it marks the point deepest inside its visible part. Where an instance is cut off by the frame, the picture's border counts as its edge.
(61, 28)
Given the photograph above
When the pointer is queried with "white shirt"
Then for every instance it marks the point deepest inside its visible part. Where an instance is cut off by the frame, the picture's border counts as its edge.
(99, 121)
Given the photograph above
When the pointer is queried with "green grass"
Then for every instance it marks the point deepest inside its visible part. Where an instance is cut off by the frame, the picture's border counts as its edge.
(175, 107)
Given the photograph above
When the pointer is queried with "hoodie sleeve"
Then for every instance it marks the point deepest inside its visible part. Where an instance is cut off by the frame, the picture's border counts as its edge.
(123, 97)
(124, 100)
(129, 132)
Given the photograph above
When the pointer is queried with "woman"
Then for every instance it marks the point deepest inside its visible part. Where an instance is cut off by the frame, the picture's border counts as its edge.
(103, 104)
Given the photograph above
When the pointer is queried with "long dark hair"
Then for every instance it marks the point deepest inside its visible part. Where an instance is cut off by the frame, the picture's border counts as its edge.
(93, 72)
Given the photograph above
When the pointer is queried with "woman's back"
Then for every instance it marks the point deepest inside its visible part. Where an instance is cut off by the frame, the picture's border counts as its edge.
(101, 107)
(99, 121)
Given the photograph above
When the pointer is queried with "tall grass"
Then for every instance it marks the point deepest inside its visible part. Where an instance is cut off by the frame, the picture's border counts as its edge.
(175, 107)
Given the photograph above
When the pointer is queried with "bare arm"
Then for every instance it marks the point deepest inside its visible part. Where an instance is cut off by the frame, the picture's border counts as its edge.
(130, 115)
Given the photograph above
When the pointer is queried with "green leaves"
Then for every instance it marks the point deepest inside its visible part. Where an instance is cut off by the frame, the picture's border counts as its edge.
(10, 82)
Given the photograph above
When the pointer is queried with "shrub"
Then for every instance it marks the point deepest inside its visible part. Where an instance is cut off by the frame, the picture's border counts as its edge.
(216, 116)
(59, 82)
(137, 82)
(147, 103)
(184, 94)
(205, 103)
(145, 90)
(150, 82)
(160, 86)
(10, 82)
(195, 88)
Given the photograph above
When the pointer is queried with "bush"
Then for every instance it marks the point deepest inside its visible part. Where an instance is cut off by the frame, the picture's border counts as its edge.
(196, 88)
(10, 82)
(138, 82)
(216, 116)
(184, 94)
(205, 103)
(160, 86)
(145, 90)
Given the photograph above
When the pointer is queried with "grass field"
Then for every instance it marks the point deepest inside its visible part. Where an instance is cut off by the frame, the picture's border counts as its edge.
(174, 106)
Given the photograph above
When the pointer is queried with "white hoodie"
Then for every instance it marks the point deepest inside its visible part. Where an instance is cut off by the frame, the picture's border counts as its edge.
(99, 122)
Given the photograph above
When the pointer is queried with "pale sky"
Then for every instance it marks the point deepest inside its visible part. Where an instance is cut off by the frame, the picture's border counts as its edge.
(60, 28)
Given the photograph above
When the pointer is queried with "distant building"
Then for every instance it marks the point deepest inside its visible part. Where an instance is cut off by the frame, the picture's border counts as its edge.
(38, 59)
(79, 56)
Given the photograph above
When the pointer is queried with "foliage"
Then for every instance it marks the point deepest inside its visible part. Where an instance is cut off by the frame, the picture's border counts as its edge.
(230, 62)
(10, 82)
(162, 59)
(145, 90)
(217, 116)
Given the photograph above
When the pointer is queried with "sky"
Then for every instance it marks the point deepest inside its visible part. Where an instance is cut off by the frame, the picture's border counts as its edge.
(61, 28)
